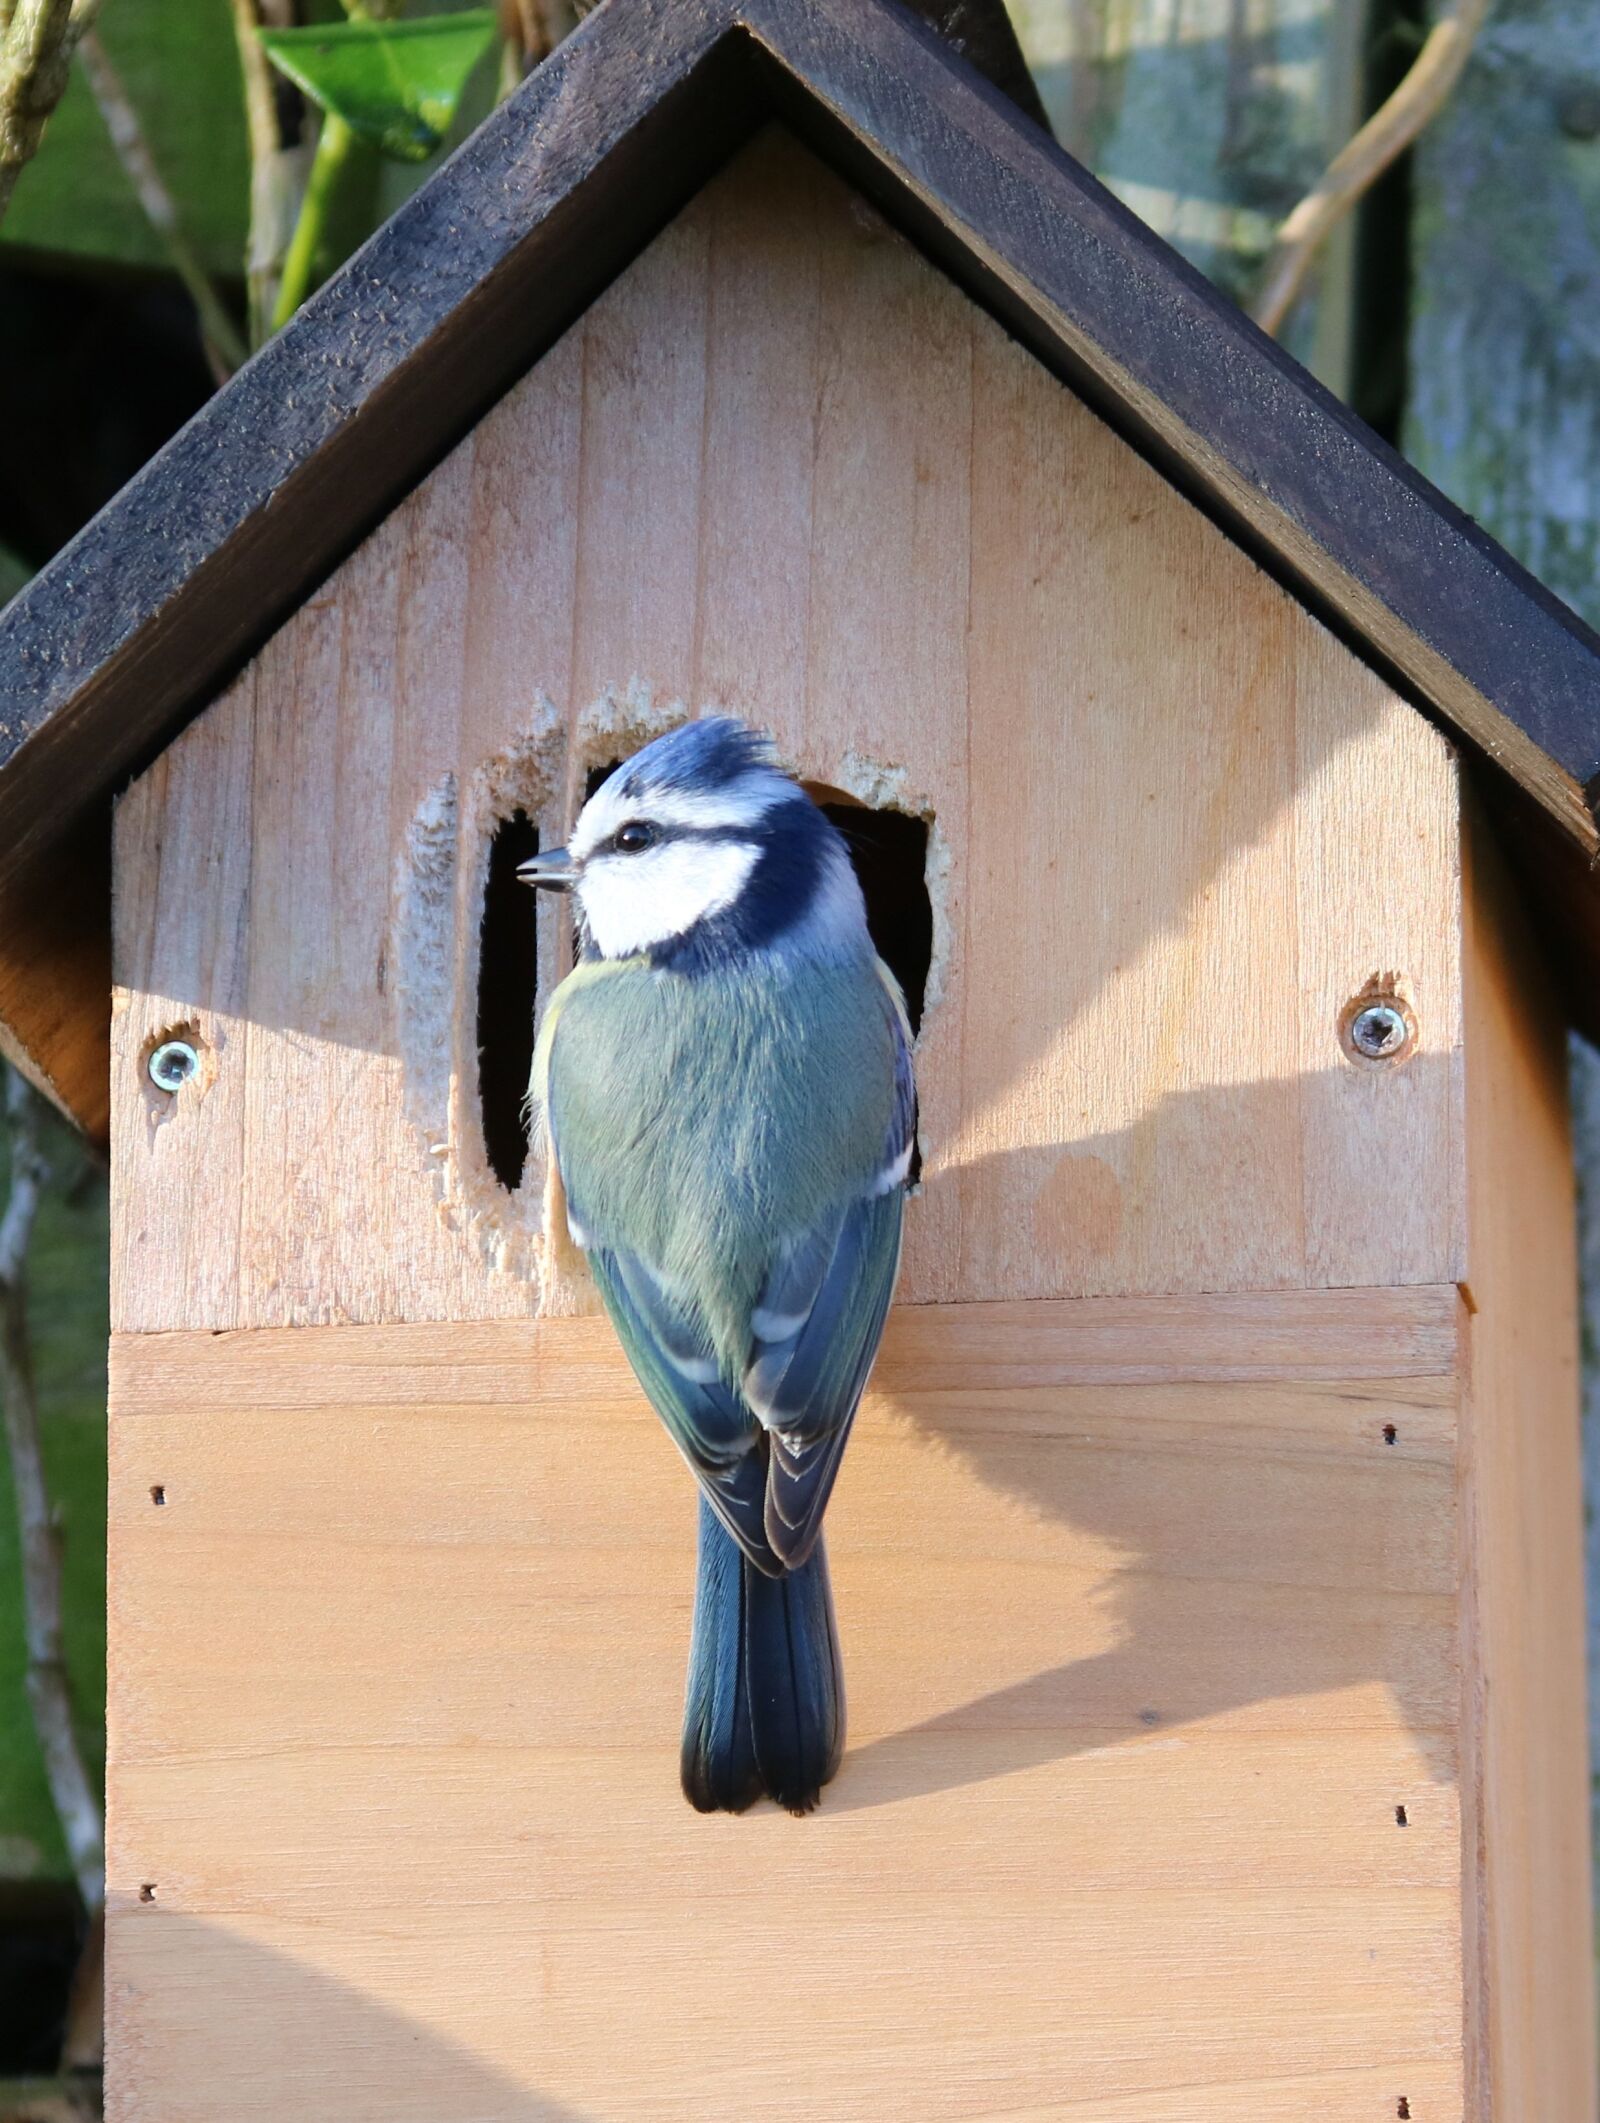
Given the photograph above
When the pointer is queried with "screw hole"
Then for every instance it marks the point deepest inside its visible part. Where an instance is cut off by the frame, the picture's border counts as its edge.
(147, 1891)
(158, 1493)
(1401, 1818)
(1390, 1434)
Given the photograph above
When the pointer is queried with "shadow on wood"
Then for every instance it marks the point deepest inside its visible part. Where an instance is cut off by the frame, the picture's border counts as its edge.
(265, 2034)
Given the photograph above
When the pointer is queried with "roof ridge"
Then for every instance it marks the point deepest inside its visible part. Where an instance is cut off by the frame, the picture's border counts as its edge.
(983, 33)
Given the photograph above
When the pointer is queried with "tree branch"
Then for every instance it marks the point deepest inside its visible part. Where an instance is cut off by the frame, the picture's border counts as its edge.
(1364, 158)
(277, 172)
(226, 348)
(76, 1805)
(37, 41)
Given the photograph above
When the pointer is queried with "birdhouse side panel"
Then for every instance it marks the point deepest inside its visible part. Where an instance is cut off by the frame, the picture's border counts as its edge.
(1149, 1808)
(1166, 830)
(1531, 2028)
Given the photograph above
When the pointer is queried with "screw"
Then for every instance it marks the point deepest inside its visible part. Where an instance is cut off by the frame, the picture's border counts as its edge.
(172, 1064)
(1578, 110)
(1379, 1031)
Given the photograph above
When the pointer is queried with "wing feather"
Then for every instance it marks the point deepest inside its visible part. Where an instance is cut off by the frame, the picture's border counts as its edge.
(766, 1454)
(706, 1420)
(805, 1389)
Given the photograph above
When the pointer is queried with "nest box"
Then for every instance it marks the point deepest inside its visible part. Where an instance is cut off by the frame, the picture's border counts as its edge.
(1207, 1554)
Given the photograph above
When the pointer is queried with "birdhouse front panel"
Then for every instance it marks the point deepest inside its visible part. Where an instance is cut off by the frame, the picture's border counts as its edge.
(1168, 1568)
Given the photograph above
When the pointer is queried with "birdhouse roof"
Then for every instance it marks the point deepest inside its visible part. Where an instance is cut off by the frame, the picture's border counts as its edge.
(929, 111)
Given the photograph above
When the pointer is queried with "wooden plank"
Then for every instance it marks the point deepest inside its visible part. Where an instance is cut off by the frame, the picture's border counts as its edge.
(748, 480)
(981, 32)
(55, 975)
(1144, 1650)
(1530, 2026)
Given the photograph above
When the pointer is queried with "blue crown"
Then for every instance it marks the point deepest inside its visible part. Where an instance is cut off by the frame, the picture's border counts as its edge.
(699, 755)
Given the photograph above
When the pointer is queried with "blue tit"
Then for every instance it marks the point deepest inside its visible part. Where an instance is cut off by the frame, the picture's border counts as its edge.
(726, 1085)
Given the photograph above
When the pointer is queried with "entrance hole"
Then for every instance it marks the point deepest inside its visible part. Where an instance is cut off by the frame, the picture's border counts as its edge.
(507, 1000)
(888, 850)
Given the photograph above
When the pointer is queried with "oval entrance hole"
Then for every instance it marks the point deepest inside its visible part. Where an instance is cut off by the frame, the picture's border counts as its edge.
(508, 1002)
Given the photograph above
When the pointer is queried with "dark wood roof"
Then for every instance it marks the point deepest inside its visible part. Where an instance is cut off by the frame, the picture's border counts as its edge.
(130, 631)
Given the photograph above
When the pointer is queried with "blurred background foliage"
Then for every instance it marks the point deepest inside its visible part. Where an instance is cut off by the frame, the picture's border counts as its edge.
(1460, 313)
(179, 63)
(68, 1309)
(97, 335)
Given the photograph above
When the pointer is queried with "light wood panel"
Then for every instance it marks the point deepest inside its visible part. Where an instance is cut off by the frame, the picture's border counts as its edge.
(1148, 1632)
(1531, 2035)
(55, 975)
(783, 467)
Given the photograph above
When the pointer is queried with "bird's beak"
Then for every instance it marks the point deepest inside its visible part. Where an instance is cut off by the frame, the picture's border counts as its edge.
(554, 868)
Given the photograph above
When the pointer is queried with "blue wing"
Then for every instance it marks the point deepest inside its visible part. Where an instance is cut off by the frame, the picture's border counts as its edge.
(707, 1421)
(812, 1348)
(817, 1325)
(766, 1455)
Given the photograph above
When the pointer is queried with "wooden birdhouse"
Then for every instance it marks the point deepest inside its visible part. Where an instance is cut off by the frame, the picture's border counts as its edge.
(1207, 1553)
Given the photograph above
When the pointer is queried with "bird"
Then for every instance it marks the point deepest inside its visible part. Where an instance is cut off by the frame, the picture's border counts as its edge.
(726, 1086)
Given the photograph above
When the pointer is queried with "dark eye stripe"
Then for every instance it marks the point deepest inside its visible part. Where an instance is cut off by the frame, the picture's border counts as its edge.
(661, 836)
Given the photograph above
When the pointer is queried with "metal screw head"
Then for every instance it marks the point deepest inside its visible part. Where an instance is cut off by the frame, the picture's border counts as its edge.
(172, 1064)
(1379, 1031)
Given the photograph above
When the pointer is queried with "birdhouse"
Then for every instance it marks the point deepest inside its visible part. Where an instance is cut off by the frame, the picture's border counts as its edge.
(1207, 1551)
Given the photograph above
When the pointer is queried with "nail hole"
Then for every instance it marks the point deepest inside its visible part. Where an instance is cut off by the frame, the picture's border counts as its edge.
(147, 1892)
(507, 1001)
(158, 1493)
(1401, 1818)
(1389, 1433)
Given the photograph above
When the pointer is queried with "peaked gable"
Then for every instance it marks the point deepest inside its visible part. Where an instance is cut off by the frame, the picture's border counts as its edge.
(128, 634)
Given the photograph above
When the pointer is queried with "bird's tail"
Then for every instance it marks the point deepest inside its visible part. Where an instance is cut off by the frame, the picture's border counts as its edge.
(765, 1710)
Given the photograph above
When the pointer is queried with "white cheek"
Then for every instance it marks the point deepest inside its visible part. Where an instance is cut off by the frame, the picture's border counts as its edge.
(632, 902)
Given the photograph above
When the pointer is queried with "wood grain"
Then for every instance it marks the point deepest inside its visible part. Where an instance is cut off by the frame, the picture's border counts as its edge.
(1530, 2027)
(55, 975)
(1144, 1647)
(783, 467)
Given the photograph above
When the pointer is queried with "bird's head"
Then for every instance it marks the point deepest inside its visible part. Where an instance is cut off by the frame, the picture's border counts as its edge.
(700, 848)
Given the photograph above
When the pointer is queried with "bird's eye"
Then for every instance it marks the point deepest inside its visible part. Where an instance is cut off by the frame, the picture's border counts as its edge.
(635, 836)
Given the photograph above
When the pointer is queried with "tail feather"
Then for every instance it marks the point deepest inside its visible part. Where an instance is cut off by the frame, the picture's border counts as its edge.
(765, 1709)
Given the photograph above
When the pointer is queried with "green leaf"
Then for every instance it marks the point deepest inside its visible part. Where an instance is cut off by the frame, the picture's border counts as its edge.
(180, 66)
(395, 84)
(15, 573)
